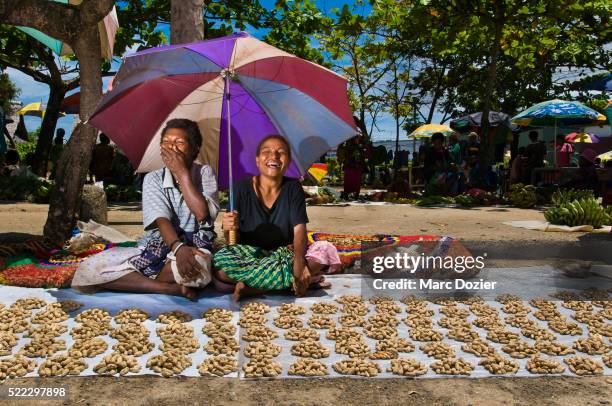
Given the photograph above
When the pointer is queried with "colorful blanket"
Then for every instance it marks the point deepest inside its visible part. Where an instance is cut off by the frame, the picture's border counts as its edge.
(38, 264)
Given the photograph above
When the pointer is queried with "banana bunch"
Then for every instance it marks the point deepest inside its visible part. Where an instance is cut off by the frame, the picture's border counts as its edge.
(569, 195)
(523, 196)
(577, 213)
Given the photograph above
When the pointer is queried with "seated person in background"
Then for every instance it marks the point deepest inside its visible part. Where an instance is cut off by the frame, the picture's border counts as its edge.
(11, 163)
(270, 219)
(586, 176)
(517, 170)
(179, 206)
(439, 171)
(102, 159)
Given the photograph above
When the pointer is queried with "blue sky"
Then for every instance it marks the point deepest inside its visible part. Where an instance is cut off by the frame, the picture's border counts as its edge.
(32, 91)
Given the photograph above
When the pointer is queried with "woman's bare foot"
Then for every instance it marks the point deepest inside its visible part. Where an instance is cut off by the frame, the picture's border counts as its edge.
(320, 284)
(189, 293)
(238, 289)
(180, 290)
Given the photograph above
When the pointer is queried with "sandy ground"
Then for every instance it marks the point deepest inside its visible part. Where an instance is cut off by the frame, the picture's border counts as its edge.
(479, 229)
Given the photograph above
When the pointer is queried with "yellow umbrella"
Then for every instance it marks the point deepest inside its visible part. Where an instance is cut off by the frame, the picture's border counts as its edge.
(427, 130)
(36, 109)
(606, 157)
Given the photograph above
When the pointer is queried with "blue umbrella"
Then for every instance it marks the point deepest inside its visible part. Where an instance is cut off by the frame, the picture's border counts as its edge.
(554, 113)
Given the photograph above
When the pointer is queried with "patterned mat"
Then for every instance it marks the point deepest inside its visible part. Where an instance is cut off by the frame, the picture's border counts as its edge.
(38, 264)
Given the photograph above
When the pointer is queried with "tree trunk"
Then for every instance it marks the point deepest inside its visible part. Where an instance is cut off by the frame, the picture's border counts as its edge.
(186, 21)
(491, 84)
(45, 137)
(74, 162)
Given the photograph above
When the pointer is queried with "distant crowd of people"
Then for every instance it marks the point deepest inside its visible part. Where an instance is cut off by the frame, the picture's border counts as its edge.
(108, 164)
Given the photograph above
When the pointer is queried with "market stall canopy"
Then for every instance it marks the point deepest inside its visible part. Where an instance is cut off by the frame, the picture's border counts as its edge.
(427, 130)
(559, 113)
(36, 109)
(107, 27)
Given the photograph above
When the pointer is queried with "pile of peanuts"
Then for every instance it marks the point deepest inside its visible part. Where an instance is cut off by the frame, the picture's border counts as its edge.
(219, 365)
(453, 322)
(357, 366)
(321, 321)
(291, 309)
(286, 322)
(70, 305)
(14, 319)
(175, 316)
(407, 367)
(324, 308)
(262, 349)
(380, 333)
(416, 320)
(46, 330)
(251, 319)
(217, 315)
(88, 348)
(169, 363)
(260, 333)
(94, 322)
(438, 350)
(539, 365)
(519, 349)
(498, 365)
(553, 348)
(452, 366)
(117, 363)
(594, 344)
(351, 320)
(383, 320)
(462, 334)
(395, 344)
(425, 334)
(62, 365)
(52, 313)
(178, 338)
(131, 316)
(308, 367)
(309, 349)
(215, 329)
(358, 308)
(222, 344)
(352, 346)
(7, 341)
(501, 336)
(15, 367)
(260, 367)
(299, 334)
(42, 346)
(584, 366)
(479, 348)
(565, 328)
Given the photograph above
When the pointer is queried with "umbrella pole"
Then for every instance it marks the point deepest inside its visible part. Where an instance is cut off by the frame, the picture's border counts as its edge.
(555, 144)
(232, 234)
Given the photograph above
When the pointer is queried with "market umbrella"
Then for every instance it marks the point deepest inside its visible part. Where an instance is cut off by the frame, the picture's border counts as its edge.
(427, 130)
(318, 171)
(36, 109)
(496, 119)
(107, 27)
(71, 104)
(586, 138)
(554, 113)
(239, 90)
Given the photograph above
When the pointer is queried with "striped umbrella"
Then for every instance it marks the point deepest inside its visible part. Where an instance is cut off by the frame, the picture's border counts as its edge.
(107, 27)
(239, 90)
(427, 130)
(586, 138)
(318, 171)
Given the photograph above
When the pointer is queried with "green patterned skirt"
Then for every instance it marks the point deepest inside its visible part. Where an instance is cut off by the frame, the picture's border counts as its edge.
(257, 268)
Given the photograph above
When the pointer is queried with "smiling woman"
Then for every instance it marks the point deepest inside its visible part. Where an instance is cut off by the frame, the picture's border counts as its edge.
(271, 219)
